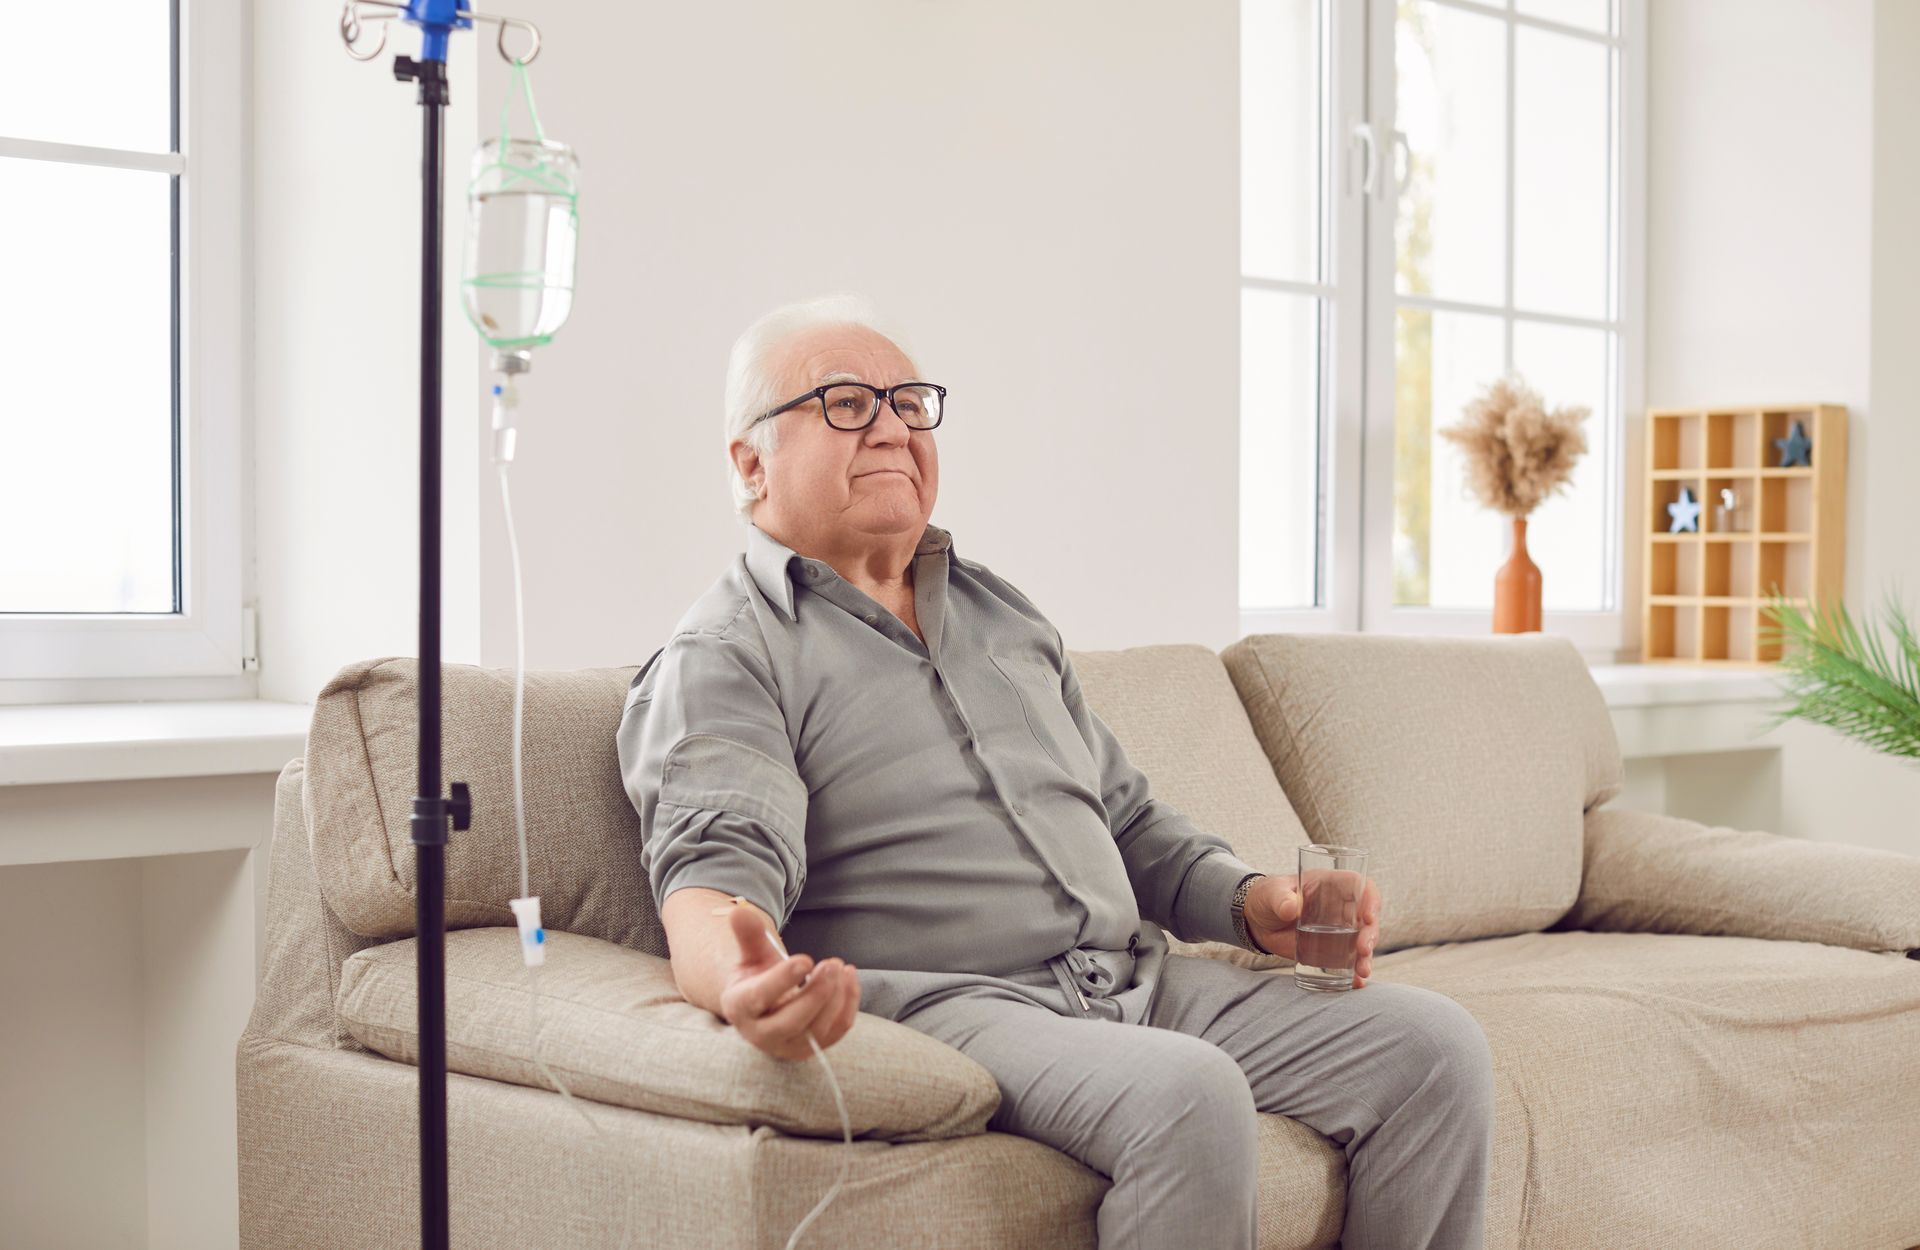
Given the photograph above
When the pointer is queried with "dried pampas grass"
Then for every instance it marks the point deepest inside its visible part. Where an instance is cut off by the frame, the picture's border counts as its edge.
(1517, 452)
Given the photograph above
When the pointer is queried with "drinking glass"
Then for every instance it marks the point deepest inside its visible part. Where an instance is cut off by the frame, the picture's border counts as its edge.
(1327, 932)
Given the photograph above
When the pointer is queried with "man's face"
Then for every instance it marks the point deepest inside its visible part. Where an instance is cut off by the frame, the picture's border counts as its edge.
(827, 487)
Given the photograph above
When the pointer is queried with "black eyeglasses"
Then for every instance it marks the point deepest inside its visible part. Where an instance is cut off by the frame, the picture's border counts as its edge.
(854, 405)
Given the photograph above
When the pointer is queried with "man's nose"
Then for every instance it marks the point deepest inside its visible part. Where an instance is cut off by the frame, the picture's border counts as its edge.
(897, 424)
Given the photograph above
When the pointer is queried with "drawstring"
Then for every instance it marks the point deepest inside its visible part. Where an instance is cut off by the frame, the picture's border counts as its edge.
(1066, 982)
(1095, 976)
(1079, 970)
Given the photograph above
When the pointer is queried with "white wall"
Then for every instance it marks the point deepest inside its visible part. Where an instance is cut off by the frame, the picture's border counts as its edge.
(1780, 220)
(1069, 269)
(74, 1065)
(1044, 196)
(336, 174)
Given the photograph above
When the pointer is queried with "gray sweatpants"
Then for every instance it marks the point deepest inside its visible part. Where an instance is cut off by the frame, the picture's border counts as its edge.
(1399, 1076)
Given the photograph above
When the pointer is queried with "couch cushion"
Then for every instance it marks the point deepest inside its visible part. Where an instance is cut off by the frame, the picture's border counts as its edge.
(329, 1157)
(1463, 765)
(1679, 1090)
(614, 1028)
(1651, 873)
(583, 836)
(1175, 713)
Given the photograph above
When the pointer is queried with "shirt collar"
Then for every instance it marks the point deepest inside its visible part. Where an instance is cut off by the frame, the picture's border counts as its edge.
(770, 562)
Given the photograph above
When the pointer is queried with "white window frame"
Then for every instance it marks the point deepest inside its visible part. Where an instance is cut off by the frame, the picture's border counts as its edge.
(1357, 351)
(197, 652)
(1342, 290)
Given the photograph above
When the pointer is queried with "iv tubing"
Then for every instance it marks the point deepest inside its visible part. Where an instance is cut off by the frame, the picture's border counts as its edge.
(520, 808)
(519, 801)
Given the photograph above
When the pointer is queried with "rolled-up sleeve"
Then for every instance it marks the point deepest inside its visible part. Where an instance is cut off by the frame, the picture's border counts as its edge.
(707, 763)
(1183, 877)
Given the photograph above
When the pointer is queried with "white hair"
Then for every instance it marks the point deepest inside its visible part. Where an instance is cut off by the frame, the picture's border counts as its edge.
(753, 383)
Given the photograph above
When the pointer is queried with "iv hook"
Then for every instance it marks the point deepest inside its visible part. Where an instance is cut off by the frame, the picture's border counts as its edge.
(501, 42)
(350, 29)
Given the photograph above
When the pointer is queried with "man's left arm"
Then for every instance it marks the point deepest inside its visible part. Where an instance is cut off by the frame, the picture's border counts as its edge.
(1183, 877)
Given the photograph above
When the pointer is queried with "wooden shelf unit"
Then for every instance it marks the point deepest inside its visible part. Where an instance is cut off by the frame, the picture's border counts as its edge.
(1703, 594)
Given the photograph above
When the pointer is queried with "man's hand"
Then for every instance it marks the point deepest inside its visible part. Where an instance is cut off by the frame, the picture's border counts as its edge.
(763, 997)
(1273, 908)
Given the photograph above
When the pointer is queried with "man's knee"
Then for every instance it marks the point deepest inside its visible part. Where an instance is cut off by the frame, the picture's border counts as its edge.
(1452, 1042)
(1198, 1098)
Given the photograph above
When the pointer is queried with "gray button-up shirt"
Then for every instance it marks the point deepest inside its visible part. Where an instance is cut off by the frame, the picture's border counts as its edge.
(945, 814)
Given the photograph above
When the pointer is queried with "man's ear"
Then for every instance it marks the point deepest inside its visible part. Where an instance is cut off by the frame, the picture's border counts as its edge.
(746, 461)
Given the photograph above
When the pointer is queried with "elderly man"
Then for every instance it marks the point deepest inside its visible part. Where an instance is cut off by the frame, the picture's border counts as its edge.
(873, 744)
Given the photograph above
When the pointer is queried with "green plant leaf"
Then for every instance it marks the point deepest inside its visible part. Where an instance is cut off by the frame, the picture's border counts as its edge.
(1846, 679)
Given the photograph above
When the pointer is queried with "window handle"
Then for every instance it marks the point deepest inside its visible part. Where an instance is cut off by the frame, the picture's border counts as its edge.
(1370, 171)
(1402, 161)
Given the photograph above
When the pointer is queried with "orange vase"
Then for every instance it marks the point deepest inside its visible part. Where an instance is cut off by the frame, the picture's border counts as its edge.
(1516, 588)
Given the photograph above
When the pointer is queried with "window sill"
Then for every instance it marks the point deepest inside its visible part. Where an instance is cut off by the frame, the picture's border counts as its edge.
(1665, 711)
(1659, 685)
(43, 744)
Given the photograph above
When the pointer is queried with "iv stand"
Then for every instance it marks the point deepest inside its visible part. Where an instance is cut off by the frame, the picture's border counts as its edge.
(431, 809)
(429, 821)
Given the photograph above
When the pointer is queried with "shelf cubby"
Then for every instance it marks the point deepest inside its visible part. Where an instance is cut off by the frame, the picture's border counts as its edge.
(1705, 592)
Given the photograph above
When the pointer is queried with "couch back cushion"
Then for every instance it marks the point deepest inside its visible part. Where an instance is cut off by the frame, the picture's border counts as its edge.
(583, 836)
(1176, 714)
(1463, 765)
(1172, 708)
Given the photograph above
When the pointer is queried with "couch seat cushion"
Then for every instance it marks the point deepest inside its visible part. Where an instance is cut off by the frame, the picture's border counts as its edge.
(1681, 1090)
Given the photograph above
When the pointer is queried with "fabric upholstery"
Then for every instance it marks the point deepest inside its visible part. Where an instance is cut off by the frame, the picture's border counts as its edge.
(583, 836)
(329, 1149)
(1676, 1090)
(614, 1028)
(1174, 711)
(1653, 1089)
(1462, 765)
(330, 1157)
(1649, 873)
(305, 941)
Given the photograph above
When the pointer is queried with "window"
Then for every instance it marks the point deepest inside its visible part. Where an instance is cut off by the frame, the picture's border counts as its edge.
(120, 482)
(1433, 192)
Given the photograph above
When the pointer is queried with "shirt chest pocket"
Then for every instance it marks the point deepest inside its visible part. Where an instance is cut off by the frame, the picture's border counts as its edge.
(1052, 726)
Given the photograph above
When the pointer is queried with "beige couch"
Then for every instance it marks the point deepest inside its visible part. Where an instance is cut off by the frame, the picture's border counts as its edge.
(1702, 1037)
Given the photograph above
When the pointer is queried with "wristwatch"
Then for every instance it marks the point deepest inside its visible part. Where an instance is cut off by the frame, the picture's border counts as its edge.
(1239, 912)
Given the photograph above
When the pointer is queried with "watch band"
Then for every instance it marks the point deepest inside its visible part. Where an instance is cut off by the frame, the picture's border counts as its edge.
(1239, 912)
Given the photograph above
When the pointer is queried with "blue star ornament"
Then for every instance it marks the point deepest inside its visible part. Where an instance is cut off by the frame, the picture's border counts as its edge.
(1794, 448)
(1685, 512)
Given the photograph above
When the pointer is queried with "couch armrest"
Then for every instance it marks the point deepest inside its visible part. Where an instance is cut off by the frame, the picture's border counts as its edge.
(1648, 873)
(614, 1028)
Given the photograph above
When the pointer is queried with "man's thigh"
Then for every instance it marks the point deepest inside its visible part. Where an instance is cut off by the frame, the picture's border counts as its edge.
(1338, 1062)
(1094, 1088)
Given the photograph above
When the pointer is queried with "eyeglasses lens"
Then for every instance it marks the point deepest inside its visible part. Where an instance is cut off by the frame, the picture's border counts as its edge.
(850, 407)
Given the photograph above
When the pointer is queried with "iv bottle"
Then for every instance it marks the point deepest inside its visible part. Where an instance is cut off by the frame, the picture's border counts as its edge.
(522, 229)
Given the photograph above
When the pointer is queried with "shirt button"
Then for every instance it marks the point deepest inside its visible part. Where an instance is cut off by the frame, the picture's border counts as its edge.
(871, 618)
(1018, 810)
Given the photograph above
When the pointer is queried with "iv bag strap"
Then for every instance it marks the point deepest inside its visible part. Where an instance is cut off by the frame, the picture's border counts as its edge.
(526, 90)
